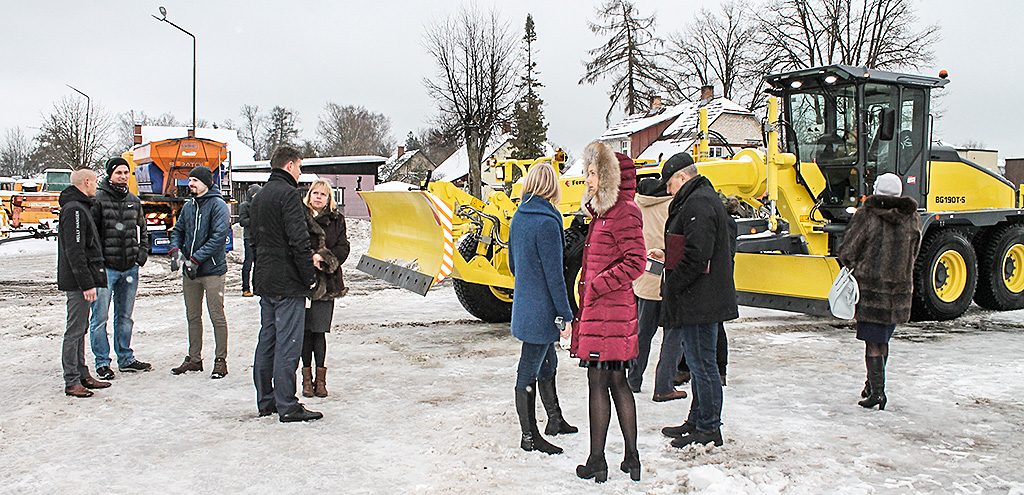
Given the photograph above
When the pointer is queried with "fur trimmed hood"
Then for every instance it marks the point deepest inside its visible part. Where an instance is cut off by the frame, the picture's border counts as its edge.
(892, 209)
(616, 179)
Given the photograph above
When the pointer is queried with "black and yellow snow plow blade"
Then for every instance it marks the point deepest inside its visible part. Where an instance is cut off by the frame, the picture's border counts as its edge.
(407, 239)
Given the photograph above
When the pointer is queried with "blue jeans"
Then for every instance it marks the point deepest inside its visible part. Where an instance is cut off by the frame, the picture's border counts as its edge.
(282, 320)
(668, 361)
(648, 312)
(121, 286)
(699, 345)
(536, 362)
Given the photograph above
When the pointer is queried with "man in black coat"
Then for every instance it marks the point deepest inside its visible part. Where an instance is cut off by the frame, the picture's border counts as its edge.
(79, 273)
(125, 241)
(283, 278)
(698, 293)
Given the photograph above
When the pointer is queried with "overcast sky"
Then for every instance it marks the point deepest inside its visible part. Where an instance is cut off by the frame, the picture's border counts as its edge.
(302, 54)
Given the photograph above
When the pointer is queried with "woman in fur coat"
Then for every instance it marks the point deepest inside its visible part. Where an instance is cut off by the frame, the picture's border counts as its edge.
(329, 241)
(604, 335)
(880, 246)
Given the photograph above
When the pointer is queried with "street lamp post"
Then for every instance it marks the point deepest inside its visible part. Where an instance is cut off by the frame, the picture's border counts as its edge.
(163, 14)
(85, 138)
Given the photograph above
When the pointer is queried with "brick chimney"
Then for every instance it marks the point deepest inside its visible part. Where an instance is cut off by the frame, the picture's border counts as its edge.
(707, 92)
(401, 151)
(506, 127)
(655, 102)
(138, 134)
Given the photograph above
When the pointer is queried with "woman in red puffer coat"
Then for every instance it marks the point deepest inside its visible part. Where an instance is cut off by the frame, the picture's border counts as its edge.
(604, 335)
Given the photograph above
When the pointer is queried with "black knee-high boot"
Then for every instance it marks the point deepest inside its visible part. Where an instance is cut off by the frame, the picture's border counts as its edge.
(526, 407)
(549, 397)
(867, 384)
(876, 379)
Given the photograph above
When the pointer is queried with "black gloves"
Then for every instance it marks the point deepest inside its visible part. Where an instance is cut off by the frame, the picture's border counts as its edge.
(191, 269)
(176, 259)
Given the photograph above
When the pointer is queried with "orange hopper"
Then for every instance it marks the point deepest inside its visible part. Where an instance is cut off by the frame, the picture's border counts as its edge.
(177, 157)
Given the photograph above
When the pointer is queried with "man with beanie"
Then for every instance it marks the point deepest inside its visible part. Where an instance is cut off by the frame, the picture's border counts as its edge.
(125, 242)
(79, 273)
(198, 240)
(283, 278)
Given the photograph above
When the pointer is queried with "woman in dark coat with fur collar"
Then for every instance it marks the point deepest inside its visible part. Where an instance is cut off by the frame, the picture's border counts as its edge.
(604, 335)
(880, 246)
(328, 239)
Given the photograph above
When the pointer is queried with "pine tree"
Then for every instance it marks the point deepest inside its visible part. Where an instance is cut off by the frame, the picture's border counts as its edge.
(282, 128)
(529, 130)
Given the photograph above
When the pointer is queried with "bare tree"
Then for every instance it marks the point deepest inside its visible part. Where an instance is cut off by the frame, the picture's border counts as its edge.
(354, 130)
(282, 129)
(878, 34)
(251, 129)
(718, 48)
(629, 57)
(475, 83)
(62, 140)
(15, 152)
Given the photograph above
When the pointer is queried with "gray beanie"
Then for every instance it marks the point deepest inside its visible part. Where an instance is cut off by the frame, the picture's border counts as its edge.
(889, 185)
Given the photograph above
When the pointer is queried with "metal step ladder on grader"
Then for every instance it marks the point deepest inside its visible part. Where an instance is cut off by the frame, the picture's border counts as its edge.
(840, 127)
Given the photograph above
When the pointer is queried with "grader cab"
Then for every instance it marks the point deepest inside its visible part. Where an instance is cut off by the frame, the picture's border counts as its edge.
(830, 131)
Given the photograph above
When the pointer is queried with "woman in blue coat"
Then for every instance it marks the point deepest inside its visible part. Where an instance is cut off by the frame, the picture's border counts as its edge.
(536, 242)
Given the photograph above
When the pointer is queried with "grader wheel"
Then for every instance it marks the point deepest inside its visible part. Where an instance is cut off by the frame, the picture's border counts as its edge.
(1001, 267)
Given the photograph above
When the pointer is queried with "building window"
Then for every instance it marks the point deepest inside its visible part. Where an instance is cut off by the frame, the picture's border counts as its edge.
(625, 148)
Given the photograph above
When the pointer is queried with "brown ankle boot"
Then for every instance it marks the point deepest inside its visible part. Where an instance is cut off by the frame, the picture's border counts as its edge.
(307, 382)
(321, 382)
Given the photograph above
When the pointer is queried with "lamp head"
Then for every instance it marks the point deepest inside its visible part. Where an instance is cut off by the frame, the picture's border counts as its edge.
(163, 12)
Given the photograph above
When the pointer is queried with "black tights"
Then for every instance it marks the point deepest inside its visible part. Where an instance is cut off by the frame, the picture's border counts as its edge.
(601, 383)
(314, 344)
(873, 349)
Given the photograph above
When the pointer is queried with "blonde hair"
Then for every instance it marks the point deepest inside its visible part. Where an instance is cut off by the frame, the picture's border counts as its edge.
(541, 180)
(326, 186)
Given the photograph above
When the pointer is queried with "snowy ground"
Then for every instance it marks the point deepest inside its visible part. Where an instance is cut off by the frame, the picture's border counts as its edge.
(421, 401)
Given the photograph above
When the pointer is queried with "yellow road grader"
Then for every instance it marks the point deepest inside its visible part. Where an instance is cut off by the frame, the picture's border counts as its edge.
(839, 126)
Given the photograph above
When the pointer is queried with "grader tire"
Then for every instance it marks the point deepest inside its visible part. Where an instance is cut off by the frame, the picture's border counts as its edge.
(572, 259)
(945, 275)
(490, 304)
(1001, 269)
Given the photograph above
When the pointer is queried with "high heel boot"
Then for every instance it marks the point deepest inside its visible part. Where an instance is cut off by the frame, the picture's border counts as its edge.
(526, 401)
(596, 468)
(867, 384)
(631, 464)
(549, 397)
(876, 379)
(307, 382)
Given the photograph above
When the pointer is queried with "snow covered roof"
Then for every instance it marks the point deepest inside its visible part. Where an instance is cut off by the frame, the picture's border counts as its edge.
(323, 160)
(457, 165)
(240, 152)
(638, 122)
(257, 177)
(689, 115)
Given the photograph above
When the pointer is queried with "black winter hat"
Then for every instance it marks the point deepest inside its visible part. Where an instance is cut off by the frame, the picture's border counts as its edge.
(678, 162)
(204, 175)
(114, 163)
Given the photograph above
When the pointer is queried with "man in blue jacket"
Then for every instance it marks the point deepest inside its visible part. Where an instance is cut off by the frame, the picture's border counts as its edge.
(283, 278)
(198, 240)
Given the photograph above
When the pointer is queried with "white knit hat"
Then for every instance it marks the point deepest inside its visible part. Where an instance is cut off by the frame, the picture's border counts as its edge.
(888, 185)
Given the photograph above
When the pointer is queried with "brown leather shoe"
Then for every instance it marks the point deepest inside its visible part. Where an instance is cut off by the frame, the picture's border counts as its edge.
(673, 395)
(77, 390)
(90, 382)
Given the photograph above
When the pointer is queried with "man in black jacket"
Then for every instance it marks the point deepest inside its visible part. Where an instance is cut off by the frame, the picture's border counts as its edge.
(698, 293)
(125, 241)
(283, 278)
(245, 219)
(79, 273)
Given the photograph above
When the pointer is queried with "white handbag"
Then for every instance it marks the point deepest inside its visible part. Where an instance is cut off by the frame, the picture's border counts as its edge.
(844, 295)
